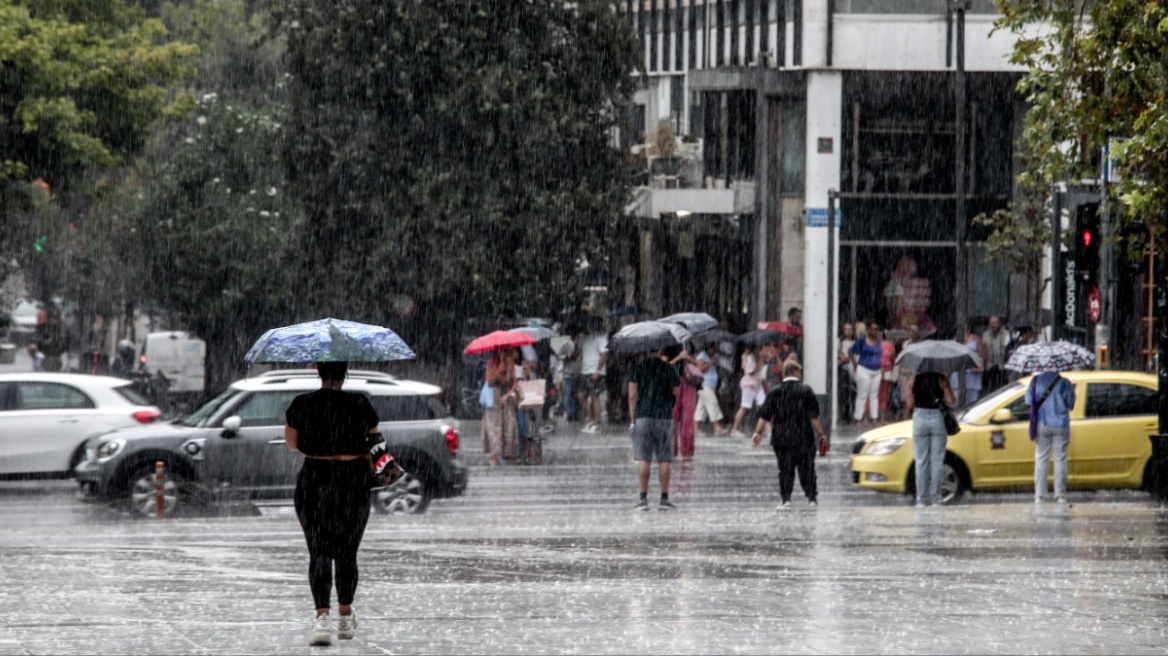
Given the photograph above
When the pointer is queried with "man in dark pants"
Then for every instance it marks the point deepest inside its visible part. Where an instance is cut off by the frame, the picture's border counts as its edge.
(793, 412)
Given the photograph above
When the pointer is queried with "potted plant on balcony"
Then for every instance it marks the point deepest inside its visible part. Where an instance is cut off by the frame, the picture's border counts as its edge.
(666, 160)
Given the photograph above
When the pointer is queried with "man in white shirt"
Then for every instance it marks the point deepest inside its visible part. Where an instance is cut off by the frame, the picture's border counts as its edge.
(593, 349)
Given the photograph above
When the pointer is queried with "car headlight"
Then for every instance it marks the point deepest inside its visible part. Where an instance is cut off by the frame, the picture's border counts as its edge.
(109, 449)
(884, 447)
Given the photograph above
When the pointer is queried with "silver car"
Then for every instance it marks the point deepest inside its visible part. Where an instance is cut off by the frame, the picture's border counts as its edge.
(233, 446)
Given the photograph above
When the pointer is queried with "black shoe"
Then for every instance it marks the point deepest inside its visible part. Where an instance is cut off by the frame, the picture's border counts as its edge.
(643, 504)
(666, 504)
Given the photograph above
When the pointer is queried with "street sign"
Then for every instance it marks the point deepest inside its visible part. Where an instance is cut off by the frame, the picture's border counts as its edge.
(1094, 305)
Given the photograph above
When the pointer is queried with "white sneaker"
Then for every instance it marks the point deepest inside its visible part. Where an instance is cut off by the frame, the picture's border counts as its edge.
(737, 434)
(346, 626)
(1062, 500)
(590, 428)
(322, 631)
(785, 505)
(812, 503)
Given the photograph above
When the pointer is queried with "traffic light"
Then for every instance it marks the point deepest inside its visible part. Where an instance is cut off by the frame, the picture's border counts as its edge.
(1087, 242)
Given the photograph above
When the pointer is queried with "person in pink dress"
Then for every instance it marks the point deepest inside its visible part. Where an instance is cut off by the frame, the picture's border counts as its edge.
(685, 405)
(887, 360)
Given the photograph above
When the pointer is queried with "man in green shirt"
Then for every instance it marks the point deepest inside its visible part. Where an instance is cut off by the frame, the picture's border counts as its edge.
(653, 384)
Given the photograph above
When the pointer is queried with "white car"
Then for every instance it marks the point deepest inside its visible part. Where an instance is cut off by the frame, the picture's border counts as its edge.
(24, 320)
(46, 418)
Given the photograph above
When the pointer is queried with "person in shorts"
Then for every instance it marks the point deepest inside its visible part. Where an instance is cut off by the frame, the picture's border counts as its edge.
(653, 386)
(590, 383)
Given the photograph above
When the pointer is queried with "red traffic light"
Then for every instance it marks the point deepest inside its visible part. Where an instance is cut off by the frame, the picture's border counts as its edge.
(1088, 237)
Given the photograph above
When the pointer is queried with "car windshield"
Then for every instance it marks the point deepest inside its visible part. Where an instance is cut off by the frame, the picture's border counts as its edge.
(203, 413)
(981, 406)
(131, 395)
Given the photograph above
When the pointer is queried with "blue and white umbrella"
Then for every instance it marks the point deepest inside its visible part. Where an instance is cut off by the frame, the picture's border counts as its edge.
(329, 340)
(1050, 356)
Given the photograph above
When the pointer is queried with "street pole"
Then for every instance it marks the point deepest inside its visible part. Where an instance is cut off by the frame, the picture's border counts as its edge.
(960, 289)
(1104, 329)
(832, 401)
(1159, 483)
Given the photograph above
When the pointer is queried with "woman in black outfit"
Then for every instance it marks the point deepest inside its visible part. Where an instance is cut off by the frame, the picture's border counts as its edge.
(331, 428)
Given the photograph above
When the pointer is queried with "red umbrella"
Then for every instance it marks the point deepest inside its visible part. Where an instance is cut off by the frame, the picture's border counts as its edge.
(497, 340)
(780, 327)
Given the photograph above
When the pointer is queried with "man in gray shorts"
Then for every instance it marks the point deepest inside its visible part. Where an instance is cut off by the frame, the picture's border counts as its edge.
(653, 385)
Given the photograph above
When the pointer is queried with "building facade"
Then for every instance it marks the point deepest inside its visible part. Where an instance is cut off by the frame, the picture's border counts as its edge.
(777, 105)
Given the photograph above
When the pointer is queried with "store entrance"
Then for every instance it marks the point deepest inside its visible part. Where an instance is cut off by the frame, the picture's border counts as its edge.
(899, 285)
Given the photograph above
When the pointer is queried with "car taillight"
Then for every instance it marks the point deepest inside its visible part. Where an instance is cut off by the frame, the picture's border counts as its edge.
(146, 416)
(451, 440)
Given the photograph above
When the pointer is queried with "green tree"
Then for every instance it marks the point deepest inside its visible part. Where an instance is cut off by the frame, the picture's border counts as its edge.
(1097, 75)
(456, 152)
(204, 219)
(80, 83)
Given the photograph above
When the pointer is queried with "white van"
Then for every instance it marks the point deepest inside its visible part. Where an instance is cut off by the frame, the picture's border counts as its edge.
(179, 357)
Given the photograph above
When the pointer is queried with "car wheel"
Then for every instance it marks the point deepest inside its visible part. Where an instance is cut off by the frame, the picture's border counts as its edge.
(954, 481)
(141, 492)
(409, 496)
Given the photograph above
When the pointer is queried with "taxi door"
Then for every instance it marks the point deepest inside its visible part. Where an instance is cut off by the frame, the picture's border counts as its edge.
(1005, 454)
(1109, 440)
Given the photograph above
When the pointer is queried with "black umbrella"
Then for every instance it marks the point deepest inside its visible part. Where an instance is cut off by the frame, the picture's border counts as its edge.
(761, 337)
(647, 336)
(712, 336)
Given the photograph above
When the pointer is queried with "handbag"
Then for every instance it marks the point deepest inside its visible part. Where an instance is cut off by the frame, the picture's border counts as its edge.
(487, 396)
(951, 425)
(693, 375)
(383, 469)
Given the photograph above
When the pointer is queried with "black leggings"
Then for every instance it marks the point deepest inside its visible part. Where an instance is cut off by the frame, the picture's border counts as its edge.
(332, 503)
(799, 459)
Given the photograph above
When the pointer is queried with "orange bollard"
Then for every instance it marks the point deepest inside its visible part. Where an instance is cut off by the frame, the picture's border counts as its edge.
(160, 490)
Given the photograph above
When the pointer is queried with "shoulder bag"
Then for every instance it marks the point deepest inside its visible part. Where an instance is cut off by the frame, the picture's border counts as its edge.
(1034, 408)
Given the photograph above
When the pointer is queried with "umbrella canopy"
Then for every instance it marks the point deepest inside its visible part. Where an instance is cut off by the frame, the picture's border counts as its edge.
(1050, 356)
(329, 340)
(943, 357)
(497, 340)
(540, 333)
(781, 327)
(760, 337)
(695, 322)
(711, 336)
(647, 336)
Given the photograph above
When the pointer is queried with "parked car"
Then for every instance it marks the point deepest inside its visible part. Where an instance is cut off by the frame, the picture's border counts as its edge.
(46, 418)
(233, 445)
(1113, 417)
(24, 320)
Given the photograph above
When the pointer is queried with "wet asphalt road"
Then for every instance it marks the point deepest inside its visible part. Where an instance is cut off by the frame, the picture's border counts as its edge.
(552, 560)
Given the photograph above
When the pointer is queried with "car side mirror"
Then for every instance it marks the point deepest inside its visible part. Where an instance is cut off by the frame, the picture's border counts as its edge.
(1002, 416)
(231, 426)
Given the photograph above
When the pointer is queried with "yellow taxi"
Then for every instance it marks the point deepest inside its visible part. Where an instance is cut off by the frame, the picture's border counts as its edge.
(1114, 414)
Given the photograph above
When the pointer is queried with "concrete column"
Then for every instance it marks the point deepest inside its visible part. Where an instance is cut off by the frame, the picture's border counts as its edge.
(814, 40)
(824, 100)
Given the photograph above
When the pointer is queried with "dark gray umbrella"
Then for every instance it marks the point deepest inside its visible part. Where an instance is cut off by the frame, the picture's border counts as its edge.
(647, 336)
(941, 356)
(711, 336)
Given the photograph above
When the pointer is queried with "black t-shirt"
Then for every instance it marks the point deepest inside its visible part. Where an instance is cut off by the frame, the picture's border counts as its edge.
(655, 382)
(790, 407)
(927, 391)
(332, 422)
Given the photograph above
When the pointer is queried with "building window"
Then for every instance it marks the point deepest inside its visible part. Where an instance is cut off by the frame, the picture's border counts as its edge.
(729, 118)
